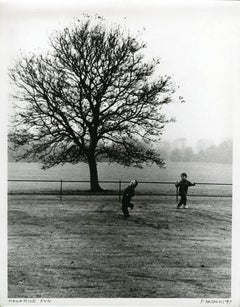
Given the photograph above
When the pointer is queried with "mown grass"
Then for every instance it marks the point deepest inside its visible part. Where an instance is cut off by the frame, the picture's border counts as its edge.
(83, 247)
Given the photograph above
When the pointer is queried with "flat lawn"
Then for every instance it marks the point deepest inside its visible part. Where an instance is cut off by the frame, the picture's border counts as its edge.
(83, 247)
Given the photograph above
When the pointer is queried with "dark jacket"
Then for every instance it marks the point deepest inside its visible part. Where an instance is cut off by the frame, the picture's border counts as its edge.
(183, 186)
(128, 194)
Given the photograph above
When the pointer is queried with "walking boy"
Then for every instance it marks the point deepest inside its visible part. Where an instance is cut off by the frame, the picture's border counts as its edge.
(127, 195)
(183, 188)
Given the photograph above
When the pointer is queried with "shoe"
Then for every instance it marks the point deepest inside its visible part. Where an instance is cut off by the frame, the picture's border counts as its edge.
(179, 207)
(131, 206)
(186, 207)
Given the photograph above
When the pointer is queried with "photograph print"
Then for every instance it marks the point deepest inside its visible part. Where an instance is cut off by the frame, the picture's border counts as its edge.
(120, 150)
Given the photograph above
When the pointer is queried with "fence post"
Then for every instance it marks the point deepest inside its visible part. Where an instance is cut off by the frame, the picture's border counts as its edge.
(61, 190)
(120, 190)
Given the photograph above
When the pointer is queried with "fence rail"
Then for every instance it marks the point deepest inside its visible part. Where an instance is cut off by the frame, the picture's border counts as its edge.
(117, 191)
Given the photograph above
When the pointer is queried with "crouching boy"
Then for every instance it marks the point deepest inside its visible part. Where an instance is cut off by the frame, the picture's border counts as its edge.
(127, 196)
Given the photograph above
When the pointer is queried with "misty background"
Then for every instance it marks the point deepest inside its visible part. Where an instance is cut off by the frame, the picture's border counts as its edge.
(196, 45)
(179, 150)
(204, 150)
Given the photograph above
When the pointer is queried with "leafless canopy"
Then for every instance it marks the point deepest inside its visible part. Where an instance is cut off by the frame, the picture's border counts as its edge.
(90, 98)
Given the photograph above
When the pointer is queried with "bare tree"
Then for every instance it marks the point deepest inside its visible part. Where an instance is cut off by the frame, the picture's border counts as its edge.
(91, 97)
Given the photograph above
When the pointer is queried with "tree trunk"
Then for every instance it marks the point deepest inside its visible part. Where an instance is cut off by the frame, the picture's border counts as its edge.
(94, 185)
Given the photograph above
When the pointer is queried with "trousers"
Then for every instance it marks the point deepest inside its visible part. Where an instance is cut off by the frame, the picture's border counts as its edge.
(183, 200)
(125, 206)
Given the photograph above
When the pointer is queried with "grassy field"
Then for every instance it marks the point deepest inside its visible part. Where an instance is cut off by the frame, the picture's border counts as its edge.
(197, 172)
(83, 247)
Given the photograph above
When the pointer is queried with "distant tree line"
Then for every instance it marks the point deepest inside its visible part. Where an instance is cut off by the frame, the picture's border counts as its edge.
(204, 151)
(177, 151)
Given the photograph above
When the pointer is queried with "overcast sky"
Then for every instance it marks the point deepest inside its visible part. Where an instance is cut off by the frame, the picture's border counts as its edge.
(198, 46)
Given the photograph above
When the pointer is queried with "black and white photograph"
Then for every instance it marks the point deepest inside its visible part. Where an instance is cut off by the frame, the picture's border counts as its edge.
(120, 163)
